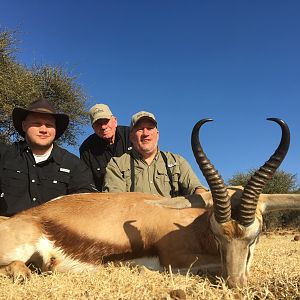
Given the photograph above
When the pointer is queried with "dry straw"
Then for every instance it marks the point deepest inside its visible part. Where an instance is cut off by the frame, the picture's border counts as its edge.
(275, 274)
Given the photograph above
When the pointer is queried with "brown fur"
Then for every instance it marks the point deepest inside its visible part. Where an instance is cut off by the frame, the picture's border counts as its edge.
(128, 228)
(233, 230)
(88, 250)
(96, 228)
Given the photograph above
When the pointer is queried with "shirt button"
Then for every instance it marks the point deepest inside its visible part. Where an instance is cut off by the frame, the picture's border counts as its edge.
(151, 181)
(32, 180)
(34, 199)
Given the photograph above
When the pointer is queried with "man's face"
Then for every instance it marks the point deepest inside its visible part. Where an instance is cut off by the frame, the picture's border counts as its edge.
(144, 137)
(40, 130)
(106, 128)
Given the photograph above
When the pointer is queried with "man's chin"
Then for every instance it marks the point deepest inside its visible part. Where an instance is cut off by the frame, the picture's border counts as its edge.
(41, 146)
(106, 136)
(148, 151)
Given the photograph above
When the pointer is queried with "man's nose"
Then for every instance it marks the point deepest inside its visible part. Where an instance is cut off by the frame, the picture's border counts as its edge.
(103, 126)
(43, 127)
(145, 131)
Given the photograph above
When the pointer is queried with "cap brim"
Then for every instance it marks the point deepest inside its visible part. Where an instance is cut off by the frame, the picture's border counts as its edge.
(144, 117)
(103, 117)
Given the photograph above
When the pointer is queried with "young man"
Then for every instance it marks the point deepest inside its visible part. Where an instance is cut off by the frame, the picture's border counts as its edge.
(36, 170)
(108, 140)
(146, 168)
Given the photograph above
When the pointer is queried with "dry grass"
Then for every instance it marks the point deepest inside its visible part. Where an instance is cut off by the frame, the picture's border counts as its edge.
(275, 274)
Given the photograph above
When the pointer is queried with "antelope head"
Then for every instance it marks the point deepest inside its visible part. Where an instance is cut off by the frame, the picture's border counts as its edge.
(236, 231)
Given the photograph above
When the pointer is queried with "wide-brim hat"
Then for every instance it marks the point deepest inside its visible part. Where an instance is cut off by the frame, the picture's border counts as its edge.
(44, 107)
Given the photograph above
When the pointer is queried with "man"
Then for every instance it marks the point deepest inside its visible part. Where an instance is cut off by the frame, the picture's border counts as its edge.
(108, 140)
(36, 170)
(146, 168)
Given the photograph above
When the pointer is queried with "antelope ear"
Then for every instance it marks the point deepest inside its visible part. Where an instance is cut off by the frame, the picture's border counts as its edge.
(275, 202)
(203, 200)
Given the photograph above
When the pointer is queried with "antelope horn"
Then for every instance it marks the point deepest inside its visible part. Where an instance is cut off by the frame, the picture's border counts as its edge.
(260, 178)
(222, 206)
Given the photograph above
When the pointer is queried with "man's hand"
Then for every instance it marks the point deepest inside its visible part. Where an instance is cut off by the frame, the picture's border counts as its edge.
(200, 190)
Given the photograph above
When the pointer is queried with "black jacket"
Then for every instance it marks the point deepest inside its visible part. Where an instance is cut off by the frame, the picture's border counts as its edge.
(25, 183)
(97, 152)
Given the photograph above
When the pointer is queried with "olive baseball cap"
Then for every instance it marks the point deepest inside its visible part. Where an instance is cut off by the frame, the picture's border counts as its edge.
(141, 115)
(99, 111)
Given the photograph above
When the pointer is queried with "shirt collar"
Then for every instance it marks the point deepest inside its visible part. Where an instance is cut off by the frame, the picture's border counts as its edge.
(137, 155)
(23, 146)
(117, 137)
(157, 154)
(56, 153)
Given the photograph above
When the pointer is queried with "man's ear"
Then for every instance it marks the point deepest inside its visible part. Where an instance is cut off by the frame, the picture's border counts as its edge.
(116, 120)
(23, 126)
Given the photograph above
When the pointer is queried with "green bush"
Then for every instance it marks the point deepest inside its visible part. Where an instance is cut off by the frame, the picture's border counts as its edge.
(20, 85)
(281, 183)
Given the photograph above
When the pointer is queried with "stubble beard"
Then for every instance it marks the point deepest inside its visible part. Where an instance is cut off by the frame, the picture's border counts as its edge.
(38, 147)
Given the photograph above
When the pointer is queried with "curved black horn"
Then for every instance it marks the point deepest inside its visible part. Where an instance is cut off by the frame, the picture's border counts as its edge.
(222, 206)
(260, 178)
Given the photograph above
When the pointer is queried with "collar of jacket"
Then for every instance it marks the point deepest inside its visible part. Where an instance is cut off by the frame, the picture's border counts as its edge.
(56, 153)
(105, 142)
(137, 155)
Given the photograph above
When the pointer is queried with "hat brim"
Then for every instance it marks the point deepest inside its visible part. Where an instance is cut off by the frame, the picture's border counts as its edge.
(19, 114)
(102, 117)
(144, 118)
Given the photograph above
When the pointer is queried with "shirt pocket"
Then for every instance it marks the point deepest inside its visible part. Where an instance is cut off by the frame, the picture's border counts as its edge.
(175, 171)
(59, 181)
(14, 180)
(162, 173)
(163, 178)
(127, 177)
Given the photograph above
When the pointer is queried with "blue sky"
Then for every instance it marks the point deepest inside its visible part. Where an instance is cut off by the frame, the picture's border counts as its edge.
(237, 62)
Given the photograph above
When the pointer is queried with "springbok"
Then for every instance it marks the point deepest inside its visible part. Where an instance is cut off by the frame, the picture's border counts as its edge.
(82, 231)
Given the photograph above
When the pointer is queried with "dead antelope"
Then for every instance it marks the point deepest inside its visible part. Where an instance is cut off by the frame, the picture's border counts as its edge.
(80, 232)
